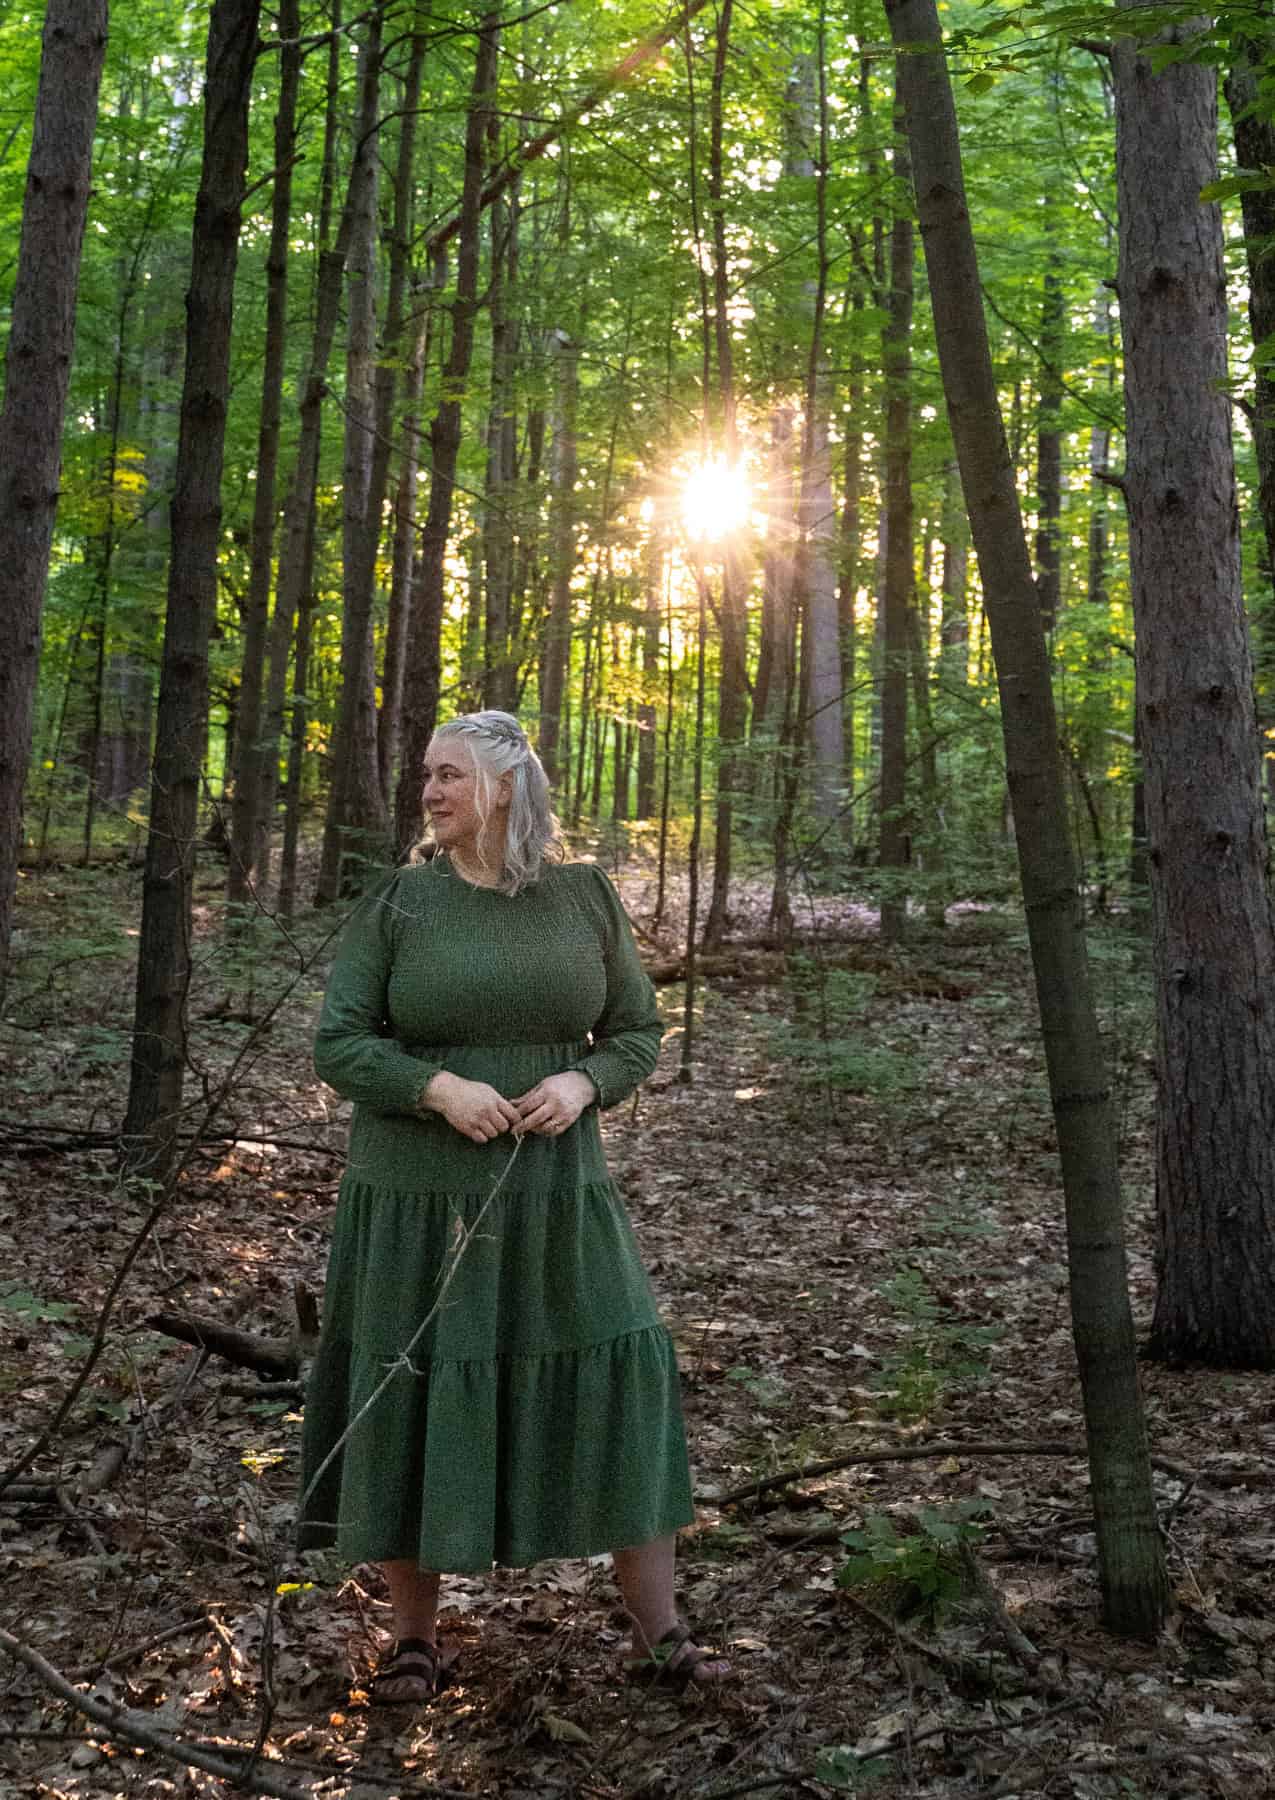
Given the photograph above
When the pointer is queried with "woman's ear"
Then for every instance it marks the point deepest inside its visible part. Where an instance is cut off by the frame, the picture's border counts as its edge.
(505, 788)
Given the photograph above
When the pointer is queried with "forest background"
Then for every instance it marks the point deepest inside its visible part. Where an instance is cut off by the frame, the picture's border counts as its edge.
(577, 362)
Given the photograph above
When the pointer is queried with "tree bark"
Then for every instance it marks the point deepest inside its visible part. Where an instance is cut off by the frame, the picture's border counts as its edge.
(563, 473)
(732, 684)
(164, 949)
(1130, 1555)
(37, 374)
(354, 829)
(422, 678)
(1049, 446)
(1214, 946)
(896, 361)
(248, 828)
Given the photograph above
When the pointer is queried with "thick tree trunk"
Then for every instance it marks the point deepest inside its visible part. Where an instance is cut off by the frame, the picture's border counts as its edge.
(247, 827)
(164, 949)
(1214, 943)
(422, 679)
(354, 830)
(37, 373)
(1130, 1554)
(896, 361)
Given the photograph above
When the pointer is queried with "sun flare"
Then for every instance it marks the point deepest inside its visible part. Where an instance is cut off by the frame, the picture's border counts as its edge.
(715, 500)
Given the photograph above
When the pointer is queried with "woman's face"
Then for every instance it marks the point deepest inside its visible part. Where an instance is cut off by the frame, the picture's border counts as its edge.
(451, 795)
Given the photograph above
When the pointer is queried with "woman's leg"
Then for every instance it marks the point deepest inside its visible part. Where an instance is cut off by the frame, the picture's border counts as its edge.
(414, 1598)
(645, 1575)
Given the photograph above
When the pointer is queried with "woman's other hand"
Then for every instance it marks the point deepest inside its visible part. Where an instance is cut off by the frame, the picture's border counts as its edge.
(555, 1103)
(470, 1107)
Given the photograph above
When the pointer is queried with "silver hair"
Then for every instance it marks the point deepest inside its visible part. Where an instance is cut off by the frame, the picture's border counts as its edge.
(499, 746)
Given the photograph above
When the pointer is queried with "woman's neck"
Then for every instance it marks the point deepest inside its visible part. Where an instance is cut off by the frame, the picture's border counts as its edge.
(471, 867)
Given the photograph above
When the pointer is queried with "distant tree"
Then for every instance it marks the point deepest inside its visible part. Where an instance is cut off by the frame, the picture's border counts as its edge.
(37, 374)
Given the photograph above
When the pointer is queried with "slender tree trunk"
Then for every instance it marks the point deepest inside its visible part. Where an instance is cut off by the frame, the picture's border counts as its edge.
(732, 683)
(164, 949)
(955, 659)
(896, 359)
(353, 835)
(1214, 944)
(1130, 1555)
(422, 679)
(563, 473)
(297, 733)
(774, 658)
(499, 673)
(298, 511)
(247, 828)
(647, 714)
(37, 373)
(1049, 446)
(1254, 132)
(821, 635)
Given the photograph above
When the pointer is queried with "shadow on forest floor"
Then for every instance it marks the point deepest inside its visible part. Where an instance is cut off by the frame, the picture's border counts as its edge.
(854, 1222)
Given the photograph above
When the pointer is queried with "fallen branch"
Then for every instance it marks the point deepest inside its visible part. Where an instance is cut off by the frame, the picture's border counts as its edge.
(753, 1490)
(275, 1357)
(900, 1453)
(120, 1659)
(133, 1728)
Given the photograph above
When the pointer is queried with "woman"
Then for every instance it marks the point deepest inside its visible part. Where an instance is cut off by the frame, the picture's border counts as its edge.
(493, 1382)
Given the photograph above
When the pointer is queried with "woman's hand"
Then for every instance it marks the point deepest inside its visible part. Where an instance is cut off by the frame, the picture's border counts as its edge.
(555, 1103)
(470, 1107)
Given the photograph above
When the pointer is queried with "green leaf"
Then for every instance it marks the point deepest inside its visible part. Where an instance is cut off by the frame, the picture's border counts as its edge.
(980, 83)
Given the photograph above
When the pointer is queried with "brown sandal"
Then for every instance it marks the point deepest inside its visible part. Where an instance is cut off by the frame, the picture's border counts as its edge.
(677, 1661)
(411, 1674)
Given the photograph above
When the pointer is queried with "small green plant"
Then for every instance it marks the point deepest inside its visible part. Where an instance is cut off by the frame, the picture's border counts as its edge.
(766, 1390)
(938, 1353)
(29, 1306)
(920, 1568)
(840, 1766)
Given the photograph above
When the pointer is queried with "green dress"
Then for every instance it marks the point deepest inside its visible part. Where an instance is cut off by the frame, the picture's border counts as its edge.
(538, 1414)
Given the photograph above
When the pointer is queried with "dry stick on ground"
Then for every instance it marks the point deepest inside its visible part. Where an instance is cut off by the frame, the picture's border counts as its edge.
(752, 1490)
(121, 1658)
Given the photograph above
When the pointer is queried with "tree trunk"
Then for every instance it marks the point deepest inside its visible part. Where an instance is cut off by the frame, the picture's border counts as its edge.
(404, 523)
(821, 634)
(774, 658)
(896, 362)
(298, 511)
(247, 828)
(1214, 946)
(422, 679)
(37, 373)
(499, 673)
(1130, 1554)
(1049, 446)
(354, 830)
(732, 683)
(955, 659)
(164, 949)
(555, 652)
(1255, 150)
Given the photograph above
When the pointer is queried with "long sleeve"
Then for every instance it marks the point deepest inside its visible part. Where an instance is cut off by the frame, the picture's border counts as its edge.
(352, 1051)
(627, 1035)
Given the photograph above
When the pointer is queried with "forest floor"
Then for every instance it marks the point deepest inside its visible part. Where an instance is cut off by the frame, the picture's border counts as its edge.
(854, 1221)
